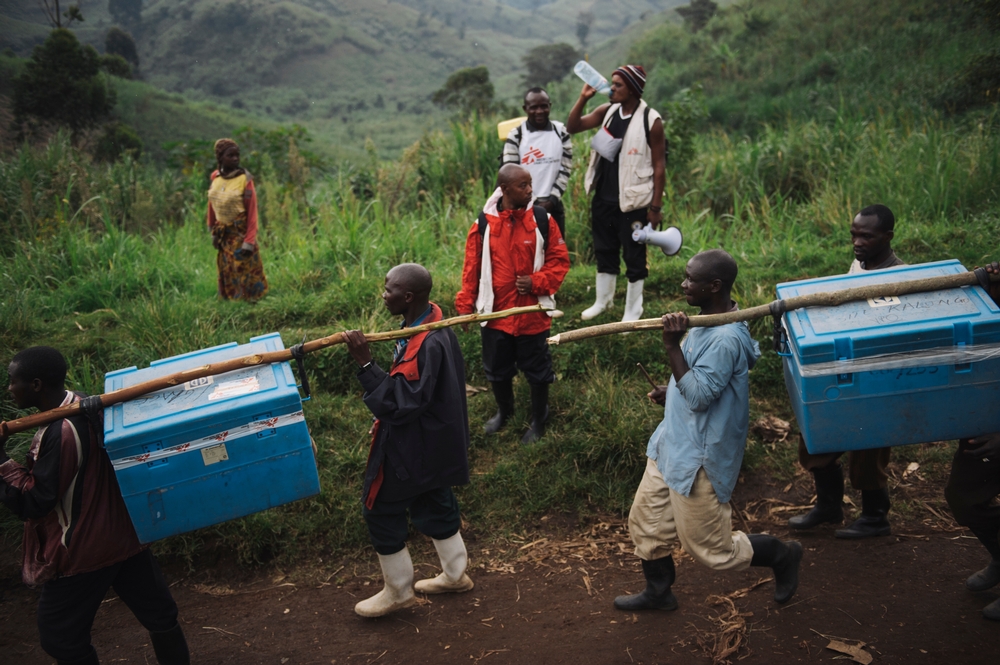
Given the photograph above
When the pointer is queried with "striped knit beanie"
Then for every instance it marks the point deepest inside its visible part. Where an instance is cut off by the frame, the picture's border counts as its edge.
(634, 77)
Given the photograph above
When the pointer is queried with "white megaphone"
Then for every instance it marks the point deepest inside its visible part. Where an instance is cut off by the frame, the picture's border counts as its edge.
(669, 239)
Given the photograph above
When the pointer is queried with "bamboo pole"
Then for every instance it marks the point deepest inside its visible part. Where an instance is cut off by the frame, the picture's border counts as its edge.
(827, 299)
(212, 369)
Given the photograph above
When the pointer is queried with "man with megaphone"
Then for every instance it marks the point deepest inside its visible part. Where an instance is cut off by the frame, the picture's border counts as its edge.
(626, 176)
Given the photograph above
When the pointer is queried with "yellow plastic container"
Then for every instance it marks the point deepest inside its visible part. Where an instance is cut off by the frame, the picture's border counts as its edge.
(503, 128)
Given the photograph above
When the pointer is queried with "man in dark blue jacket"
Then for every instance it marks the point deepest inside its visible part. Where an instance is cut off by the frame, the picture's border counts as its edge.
(420, 442)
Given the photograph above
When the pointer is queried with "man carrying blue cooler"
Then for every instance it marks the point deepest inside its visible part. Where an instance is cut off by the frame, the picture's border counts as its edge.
(694, 456)
(78, 538)
(871, 236)
(973, 491)
(420, 442)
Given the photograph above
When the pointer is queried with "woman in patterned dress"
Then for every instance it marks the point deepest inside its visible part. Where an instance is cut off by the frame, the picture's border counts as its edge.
(232, 219)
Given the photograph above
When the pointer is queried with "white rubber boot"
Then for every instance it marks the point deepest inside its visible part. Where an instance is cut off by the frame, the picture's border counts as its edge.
(633, 301)
(397, 571)
(605, 294)
(454, 561)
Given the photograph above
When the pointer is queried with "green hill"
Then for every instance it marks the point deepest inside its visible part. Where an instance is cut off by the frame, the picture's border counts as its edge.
(347, 70)
(770, 60)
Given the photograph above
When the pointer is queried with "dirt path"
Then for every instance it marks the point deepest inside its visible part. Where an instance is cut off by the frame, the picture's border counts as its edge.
(546, 597)
(550, 602)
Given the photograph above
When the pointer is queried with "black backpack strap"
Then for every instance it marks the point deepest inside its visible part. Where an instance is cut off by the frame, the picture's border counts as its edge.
(542, 221)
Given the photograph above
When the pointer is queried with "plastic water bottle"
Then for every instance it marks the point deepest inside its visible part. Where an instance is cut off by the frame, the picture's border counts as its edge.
(592, 77)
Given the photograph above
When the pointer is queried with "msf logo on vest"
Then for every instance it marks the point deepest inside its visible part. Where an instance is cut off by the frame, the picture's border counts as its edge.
(532, 156)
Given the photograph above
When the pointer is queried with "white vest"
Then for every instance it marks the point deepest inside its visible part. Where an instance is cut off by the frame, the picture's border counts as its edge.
(635, 161)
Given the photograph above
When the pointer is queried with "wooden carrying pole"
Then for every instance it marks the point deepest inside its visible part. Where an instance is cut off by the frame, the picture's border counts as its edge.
(827, 299)
(179, 378)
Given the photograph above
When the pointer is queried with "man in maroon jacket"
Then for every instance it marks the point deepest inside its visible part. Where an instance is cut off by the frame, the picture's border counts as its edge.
(78, 538)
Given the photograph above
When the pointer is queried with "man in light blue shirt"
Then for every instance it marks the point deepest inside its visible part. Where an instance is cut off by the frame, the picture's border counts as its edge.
(694, 455)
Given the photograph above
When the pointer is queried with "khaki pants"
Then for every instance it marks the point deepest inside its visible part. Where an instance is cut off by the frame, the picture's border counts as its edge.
(660, 518)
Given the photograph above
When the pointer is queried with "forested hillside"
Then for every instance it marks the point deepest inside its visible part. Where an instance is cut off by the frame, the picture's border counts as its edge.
(348, 69)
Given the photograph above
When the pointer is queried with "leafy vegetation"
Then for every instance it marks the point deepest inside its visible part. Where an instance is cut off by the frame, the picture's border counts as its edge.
(112, 262)
(61, 83)
(766, 61)
(548, 62)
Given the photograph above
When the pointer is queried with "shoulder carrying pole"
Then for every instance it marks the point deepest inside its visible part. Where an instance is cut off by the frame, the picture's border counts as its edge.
(178, 378)
(828, 299)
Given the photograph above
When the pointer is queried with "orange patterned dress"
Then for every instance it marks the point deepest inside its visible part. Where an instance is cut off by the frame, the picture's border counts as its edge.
(232, 218)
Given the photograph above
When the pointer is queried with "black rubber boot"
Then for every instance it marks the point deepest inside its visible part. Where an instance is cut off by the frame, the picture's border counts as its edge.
(992, 611)
(874, 519)
(503, 392)
(829, 500)
(987, 578)
(783, 559)
(659, 575)
(90, 659)
(539, 412)
(170, 646)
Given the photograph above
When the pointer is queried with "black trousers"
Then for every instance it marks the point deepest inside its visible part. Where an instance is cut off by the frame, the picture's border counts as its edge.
(504, 354)
(865, 468)
(612, 230)
(68, 605)
(558, 212)
(434, 513)
(972, 492)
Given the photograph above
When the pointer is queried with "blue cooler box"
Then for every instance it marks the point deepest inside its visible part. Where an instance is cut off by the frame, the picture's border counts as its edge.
(212, 449)
(893, 371)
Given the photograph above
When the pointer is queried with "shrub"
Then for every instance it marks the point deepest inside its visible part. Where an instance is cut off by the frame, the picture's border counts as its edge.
(115, 65)
(118, 139)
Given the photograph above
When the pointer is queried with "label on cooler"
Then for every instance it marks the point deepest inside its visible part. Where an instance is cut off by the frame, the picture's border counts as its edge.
(198, 392)
(207, 443)
(243, 386)
(214, 454)
(890, 310)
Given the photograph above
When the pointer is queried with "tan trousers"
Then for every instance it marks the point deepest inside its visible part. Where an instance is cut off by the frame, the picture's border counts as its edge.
(660, 518)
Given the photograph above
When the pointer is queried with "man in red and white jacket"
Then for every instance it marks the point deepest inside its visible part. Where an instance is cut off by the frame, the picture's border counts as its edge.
(510, 262)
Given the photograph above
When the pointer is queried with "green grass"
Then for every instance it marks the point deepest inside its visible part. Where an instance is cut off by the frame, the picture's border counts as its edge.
(113, 265)
(769, 60)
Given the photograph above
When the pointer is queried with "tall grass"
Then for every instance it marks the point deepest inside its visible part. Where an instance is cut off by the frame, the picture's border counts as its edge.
(89, 269)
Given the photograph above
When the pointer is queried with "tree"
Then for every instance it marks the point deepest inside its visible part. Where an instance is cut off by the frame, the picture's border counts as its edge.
(56, 15)
(126, 12)
(697, 15)
(584, 20)
(120, 42)
(549, 62)
(466, 91)
(62, 83)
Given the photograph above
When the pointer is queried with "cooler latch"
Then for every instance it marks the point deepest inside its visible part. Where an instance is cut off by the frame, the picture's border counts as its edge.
(299, 353)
